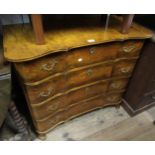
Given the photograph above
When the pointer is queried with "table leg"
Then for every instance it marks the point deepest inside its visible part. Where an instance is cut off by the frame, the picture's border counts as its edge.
(38, 28)
(127, 22)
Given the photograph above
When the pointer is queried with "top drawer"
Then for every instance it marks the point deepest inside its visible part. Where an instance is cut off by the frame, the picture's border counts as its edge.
(130, 48)
(38, 69)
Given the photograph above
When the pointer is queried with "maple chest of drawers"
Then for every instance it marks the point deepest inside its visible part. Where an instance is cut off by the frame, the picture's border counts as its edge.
(83, 73)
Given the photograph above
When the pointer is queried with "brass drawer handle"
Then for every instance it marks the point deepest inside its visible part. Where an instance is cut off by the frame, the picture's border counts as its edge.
(46, 93)
(115, 85)
(129, 49)
(49, 66)
(89, 72)
(53, 106)
(125, 69)
(92, 50)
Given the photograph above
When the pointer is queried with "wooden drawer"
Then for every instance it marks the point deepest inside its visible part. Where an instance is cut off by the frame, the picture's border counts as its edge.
(61, 102)
(40, 68)
(92, 54)
(62, 61)
(118, 84)
(59, 84)
(76, 110)
(124, 67)
(130, 48)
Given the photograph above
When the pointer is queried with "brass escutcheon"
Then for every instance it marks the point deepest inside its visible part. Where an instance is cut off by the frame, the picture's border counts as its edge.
(115, 85)
(89, 72)
(49, 66)
(53, 106)
(129, 49)
(125, 69)
(46, 93)
(92, 50)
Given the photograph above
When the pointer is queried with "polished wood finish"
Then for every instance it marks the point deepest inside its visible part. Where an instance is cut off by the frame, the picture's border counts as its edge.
(80, 69)
(18, 38)
(57, 85)
(95, 102)
(38, 92)
(58, 92)
(63, 101)
(61, 62)
(38, 28)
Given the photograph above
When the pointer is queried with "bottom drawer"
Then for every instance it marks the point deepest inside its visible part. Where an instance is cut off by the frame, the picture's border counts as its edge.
(82, 107)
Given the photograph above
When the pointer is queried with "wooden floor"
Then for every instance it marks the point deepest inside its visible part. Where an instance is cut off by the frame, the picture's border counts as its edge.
(107, 124)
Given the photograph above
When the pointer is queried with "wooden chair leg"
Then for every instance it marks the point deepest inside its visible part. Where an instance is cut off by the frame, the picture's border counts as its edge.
(38, 28)
(127, 22)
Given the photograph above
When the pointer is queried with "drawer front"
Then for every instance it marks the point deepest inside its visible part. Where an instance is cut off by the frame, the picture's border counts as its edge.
(60, 62)
(92, 54)
(76, 110)
(63, 102)
(43, 91)
(89, 75)
(118, 84)
(65, 82)
(130, 48)
(63, 61)
(124, 67)
(38, 69)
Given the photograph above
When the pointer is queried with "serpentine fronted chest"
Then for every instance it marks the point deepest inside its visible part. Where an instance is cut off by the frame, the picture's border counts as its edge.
(77, 70)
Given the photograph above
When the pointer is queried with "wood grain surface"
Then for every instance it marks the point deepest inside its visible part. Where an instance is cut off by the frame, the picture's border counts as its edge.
(19, 41)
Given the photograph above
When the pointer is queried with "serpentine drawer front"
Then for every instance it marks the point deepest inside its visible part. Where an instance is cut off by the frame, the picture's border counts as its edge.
(79, 69)
(62, 101)
(77, 109)
(66, 84)
(63, 61)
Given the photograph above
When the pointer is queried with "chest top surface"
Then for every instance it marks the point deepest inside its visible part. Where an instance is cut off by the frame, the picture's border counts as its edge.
(19, 42)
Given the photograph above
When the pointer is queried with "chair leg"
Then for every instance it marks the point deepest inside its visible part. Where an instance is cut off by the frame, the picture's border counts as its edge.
(38, 28)
(127, 22)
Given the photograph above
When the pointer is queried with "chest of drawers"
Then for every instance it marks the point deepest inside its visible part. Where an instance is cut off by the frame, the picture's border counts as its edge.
(83, 73)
